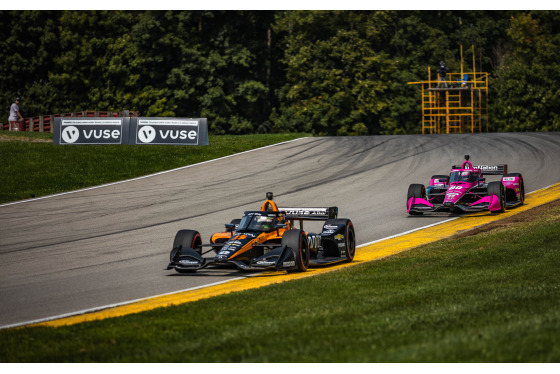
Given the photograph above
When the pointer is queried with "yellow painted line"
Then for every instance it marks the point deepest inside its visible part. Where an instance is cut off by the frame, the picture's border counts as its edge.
(366, 253)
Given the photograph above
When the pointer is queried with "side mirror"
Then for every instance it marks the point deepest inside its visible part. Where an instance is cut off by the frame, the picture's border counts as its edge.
(280, 226)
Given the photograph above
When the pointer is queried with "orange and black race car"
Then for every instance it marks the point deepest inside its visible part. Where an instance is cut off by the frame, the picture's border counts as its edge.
(267, 239)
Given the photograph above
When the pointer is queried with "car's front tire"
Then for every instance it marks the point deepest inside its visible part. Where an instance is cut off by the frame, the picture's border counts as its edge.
(190, 239)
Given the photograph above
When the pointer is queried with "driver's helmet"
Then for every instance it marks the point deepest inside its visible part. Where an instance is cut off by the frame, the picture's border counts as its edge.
(466, 176)
(264, 223)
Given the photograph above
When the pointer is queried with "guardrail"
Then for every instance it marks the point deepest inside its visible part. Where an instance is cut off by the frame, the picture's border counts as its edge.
(46, 123)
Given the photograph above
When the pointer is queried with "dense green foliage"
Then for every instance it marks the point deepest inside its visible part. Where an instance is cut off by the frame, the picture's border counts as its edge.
(324, 72)
(492, 297)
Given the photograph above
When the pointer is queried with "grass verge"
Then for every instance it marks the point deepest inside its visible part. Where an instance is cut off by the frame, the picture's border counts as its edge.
(32, 166)
(491, 297)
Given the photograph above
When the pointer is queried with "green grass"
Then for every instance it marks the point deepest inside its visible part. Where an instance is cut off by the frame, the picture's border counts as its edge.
(493, 297)
(32, 168)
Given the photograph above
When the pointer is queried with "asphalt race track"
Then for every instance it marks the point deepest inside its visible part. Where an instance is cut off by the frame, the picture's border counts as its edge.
(109, 245)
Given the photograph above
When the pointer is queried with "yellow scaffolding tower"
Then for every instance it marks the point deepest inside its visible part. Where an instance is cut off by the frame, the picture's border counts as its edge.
(457, 105)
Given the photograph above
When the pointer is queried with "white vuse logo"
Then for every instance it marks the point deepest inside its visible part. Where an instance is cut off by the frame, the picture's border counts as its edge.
(146, 134)
(70, 134)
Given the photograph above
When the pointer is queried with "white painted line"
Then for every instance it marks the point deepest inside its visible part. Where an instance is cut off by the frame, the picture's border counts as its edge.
(85, 311)
(407, 232)
(96, 309)
(433, 224)
(146, 176)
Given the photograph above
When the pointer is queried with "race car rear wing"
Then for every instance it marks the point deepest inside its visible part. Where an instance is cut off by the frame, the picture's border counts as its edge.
(492, 169)
(311, 214)
(489, 169)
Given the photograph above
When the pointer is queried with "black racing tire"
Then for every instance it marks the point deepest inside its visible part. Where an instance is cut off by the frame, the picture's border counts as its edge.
(521, 185)
(416, 191)
(296, 240)
(498, 189)
(349, 234)
(185, 271)
(186, 239)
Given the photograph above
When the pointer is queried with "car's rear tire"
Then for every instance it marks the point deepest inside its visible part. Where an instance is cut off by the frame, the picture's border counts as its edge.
(498, 189)
(349, 236)
(417, 191)
(296, 240)
(186, 239)
(521, 186)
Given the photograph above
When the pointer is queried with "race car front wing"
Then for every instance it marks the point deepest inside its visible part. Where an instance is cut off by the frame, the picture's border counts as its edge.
(187, 259)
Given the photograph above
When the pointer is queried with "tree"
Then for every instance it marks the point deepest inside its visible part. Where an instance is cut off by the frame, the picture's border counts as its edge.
(337, 76)
(324, 72)
(526, 84)
(28, 42)
(223, 68)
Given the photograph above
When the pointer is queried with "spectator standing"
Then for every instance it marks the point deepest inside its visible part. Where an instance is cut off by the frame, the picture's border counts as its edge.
(15, 116)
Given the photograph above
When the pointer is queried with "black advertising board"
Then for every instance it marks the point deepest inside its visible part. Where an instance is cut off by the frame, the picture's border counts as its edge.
(130, 130)
(171, 131)
(91, 130)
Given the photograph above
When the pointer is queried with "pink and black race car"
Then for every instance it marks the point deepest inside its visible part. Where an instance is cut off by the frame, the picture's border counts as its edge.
(466, 190)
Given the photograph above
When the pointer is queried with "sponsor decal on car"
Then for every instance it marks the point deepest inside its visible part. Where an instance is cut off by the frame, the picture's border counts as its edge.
(306, 212)
(266, 263)
(314, 241)
(188, 262)
(487, 167)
